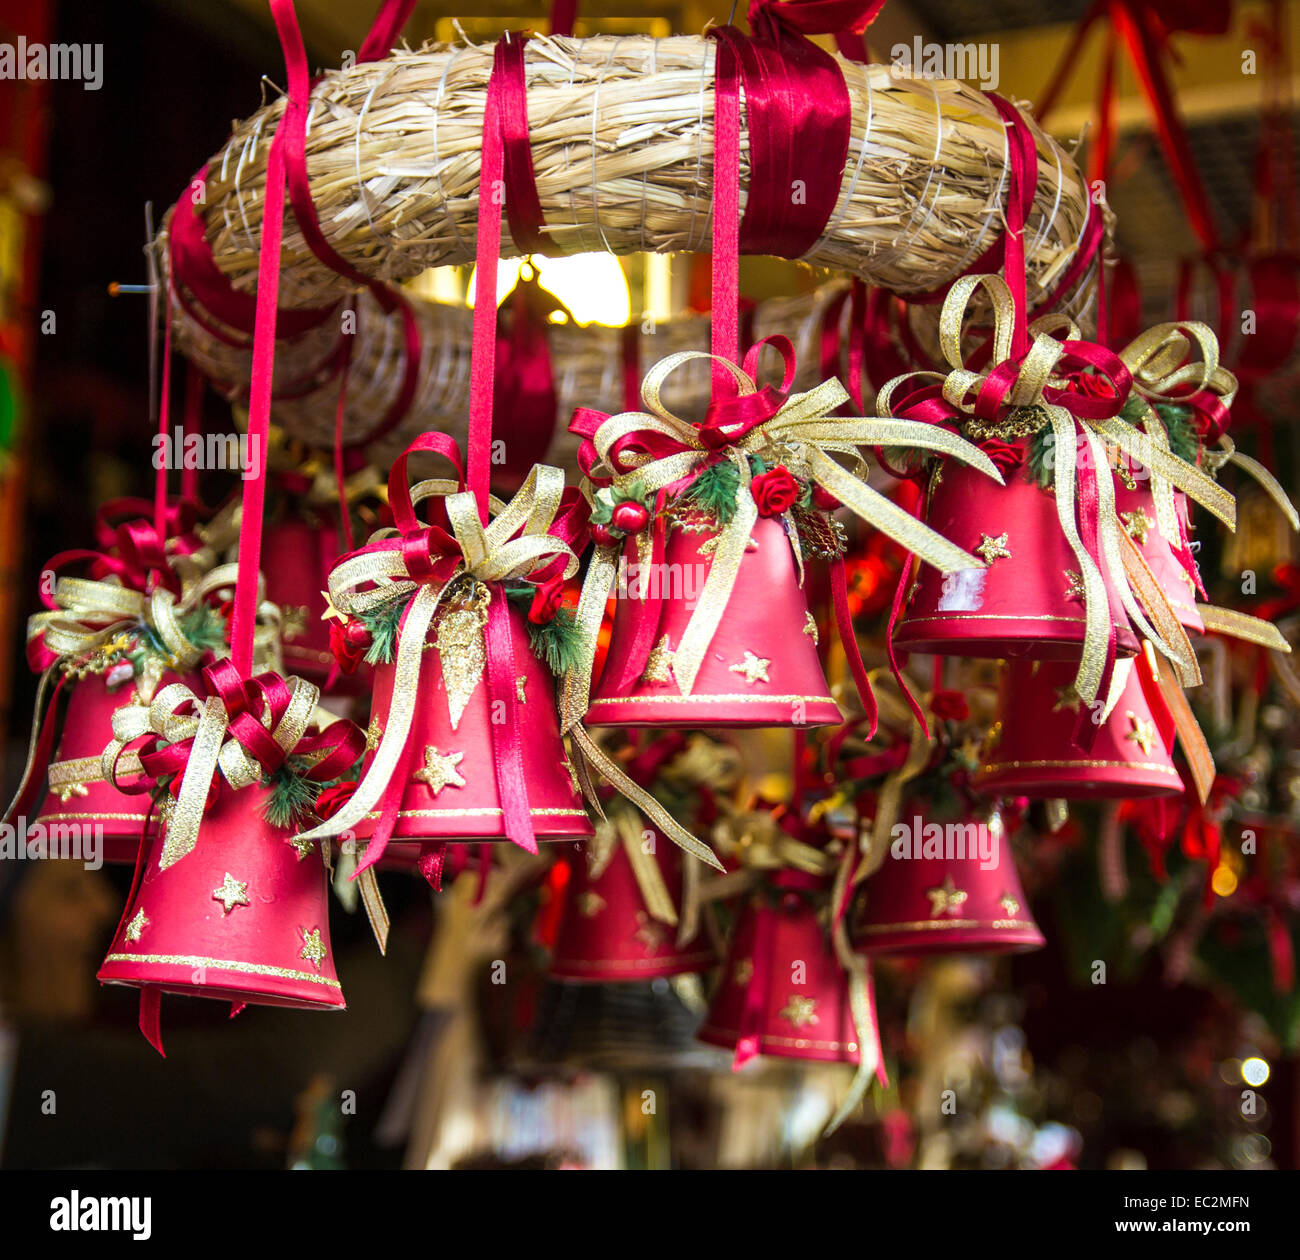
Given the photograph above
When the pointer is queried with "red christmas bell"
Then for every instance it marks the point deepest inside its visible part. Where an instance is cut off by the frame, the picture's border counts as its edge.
(1135, 507)
(451, 792)
(782, 990)
(1030, 751)
(945, 888)
(80, 798)
(242, 917)
(761, 667)
(1028, 601)
(623, 911)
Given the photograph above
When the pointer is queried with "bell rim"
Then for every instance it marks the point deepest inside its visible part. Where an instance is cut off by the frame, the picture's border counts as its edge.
(995, 643)
(244, 975)
(1007, 778)
(773, 1046)
(655, 969)
(625, 711)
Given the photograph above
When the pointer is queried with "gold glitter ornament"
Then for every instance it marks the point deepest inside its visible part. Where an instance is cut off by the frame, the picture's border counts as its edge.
(461, 645)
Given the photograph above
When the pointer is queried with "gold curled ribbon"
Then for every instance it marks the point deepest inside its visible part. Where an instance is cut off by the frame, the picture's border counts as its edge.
(1228, 453)
(1157, 362)
(586, 752)
(211, 751)
(803, 435)
(489, 554)
(860, 998)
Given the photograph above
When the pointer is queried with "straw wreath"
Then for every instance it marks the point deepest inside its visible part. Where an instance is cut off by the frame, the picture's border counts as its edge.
(622, 144)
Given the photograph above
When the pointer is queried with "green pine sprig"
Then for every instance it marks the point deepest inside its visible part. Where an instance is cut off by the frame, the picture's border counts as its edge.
(1184, 441)
(715, 489)
(557, 642)
(291, 797)
(383, 624)
(1040, 459)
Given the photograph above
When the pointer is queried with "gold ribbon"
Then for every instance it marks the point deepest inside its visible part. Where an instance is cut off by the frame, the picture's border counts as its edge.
(489, 554)
(210, 751)
(1156, 361)
(859, 975)
(803, 435)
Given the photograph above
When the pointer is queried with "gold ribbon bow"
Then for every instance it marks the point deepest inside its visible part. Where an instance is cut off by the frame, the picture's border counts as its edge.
(803, 435)
(210, 751)
(1157, 363)
(491, 553)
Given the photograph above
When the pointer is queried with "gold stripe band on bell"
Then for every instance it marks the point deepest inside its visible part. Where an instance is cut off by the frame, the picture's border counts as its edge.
(224, 964)
(640, 964)
(1155, 766)
(981, 616)
(45, 819)
(87, 770)
(699, 699)
(486, 812)
(770, 1039)
(942, 925)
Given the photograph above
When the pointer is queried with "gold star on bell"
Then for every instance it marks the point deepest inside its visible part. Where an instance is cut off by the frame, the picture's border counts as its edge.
(800, 1010)
(754, 668)
(946, 899)
(135, 929)
(659, 664)
(374, 733)
(1066, 698)
(650, 934)
(1143, 733)
(300, 846)
(590, 904)
(440, 770)
(1009, 904)
(71, 789)
(330, 610)
(1075, 588)
(313, 948)
(993, 548)
(810, 628)
(233, 892)
(1136, 524)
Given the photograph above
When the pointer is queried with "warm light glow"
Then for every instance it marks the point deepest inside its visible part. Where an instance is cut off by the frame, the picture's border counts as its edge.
(1254, 1071)
(1224, 880)
(592, 286)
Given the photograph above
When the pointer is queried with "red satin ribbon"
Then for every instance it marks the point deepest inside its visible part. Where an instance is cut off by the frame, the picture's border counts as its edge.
(523, 205)
(798, 115)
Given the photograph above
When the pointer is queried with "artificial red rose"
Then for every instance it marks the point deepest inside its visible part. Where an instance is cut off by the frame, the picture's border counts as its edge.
(630, 517)
(349, 643)
(775, 491)
(547, 599)
(950, 704)
(1094, 386)
(332, 799)
(1006, 456)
